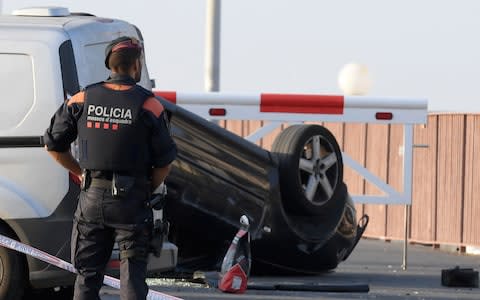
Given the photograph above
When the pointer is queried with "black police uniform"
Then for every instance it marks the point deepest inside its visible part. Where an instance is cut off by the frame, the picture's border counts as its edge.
(118, 140)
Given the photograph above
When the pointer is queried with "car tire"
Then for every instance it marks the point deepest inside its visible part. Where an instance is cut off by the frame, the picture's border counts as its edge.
(311, 168)
(13, 271)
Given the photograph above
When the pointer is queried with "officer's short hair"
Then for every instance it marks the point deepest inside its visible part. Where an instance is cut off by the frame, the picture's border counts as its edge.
(122, 53)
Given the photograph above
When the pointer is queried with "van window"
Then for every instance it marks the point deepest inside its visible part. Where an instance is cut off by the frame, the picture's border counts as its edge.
(69, 69)
(95, 57)
(16, 84)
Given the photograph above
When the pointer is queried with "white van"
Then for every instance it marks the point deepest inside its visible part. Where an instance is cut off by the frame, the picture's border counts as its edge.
(46, 54)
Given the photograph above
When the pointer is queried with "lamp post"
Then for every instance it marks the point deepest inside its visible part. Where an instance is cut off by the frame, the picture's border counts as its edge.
(212, 46)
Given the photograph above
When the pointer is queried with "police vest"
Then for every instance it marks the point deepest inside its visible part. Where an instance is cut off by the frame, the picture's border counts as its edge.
(111, 134)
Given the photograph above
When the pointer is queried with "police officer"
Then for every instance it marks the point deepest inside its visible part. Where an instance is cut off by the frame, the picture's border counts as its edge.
(125, 152)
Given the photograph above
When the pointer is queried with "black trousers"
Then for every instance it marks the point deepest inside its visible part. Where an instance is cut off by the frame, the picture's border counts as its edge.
(100, 221)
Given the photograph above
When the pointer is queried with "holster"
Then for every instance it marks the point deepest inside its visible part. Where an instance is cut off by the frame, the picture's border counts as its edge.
(121, 185)
(159, 231)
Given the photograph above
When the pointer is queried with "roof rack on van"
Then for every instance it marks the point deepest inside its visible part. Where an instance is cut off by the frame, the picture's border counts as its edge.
(42, 11)
(82, 14)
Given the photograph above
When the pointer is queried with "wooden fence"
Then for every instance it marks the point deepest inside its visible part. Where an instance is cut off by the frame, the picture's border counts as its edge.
(446, 175)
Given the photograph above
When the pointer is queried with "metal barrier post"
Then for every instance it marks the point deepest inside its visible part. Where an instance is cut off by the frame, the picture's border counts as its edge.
(407, 184)
(405, 240)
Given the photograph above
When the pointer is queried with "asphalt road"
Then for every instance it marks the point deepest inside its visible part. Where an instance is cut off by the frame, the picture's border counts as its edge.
(376, 263)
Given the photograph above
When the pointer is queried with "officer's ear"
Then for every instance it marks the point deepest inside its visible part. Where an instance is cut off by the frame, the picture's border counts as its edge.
(134, 67)
(137, 67)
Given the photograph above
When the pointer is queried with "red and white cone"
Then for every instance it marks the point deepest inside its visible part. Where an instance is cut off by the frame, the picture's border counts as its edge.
(237, 261)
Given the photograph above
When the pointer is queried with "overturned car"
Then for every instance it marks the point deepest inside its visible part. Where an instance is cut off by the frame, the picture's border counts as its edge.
(302, 218)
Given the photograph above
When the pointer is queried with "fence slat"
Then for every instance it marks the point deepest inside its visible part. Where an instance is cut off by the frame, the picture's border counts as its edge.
(354, 140)
(395, 213)
(376, 162)
(450, 178)
(424, 182)
(471, 209)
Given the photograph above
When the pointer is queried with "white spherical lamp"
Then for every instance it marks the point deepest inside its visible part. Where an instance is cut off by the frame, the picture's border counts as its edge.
(354, 79)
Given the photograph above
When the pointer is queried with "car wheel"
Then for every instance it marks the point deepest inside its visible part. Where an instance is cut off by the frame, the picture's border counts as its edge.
(311, 168)
(13, 271)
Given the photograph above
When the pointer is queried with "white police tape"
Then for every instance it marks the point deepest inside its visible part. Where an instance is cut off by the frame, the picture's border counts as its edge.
(53, 260)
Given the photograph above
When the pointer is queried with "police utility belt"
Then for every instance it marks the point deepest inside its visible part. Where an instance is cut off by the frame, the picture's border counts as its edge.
(120, 184)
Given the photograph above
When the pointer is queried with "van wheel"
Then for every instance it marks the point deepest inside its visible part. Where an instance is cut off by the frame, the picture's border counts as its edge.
(311, 169)
(13, 271)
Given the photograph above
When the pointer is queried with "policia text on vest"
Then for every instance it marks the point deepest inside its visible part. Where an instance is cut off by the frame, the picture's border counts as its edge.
(109, 114)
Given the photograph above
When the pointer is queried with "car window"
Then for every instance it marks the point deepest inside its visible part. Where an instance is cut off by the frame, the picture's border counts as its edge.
(69, 69)
(17, 86)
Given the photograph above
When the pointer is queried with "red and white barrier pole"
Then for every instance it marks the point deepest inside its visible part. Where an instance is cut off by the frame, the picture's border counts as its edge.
(300, 107)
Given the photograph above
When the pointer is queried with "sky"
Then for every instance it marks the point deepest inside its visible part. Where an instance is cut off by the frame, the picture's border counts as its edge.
(416, 49)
